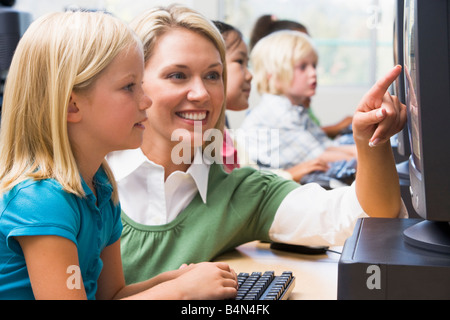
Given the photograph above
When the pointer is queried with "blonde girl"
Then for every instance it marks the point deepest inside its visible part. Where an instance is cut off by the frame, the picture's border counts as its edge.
(73, 94)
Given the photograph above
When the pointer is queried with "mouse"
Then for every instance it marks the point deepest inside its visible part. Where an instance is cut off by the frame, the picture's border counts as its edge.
(312, 250)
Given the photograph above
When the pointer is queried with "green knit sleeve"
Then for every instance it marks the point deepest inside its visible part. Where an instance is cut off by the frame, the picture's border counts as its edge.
(258, 196)
(240, 207)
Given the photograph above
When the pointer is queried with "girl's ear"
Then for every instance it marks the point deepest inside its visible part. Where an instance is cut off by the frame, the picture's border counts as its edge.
(73, 112)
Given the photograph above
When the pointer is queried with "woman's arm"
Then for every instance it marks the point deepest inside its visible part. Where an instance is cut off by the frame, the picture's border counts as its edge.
(378, 117)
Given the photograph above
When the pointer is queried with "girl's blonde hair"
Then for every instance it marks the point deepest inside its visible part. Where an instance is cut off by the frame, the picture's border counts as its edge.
(155, 22)
(58, 54)
(273, 59)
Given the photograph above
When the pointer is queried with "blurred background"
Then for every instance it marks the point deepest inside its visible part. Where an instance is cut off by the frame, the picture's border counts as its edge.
(353, 38)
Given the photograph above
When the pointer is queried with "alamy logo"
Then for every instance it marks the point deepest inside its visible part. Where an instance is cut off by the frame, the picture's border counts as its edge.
(74, 280)
(264, 142)
(374, 280)
(374, 19)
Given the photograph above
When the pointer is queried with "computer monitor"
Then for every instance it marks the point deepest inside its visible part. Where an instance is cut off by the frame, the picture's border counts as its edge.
(398, 87)
(427, 92)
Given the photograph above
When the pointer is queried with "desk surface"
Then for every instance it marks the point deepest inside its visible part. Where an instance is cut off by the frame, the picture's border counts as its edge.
(316, 275)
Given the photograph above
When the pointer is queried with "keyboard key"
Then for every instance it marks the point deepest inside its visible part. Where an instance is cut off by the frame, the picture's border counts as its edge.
(267, 286)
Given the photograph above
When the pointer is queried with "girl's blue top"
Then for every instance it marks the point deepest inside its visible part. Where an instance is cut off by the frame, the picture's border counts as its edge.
(38, 208)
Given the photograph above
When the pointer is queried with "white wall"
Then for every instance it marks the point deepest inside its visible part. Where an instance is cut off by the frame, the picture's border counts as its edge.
(125, 10)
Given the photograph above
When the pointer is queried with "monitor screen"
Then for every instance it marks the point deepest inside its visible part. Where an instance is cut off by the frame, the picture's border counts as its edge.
(410, 65)
(398, 85)
(401, 140)
(427, 91)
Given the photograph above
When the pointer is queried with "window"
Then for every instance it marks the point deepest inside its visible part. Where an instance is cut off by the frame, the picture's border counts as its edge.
(124, 9)
(353, 37)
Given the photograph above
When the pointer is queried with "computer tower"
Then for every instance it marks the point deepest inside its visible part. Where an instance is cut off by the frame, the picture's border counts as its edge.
(377, 264)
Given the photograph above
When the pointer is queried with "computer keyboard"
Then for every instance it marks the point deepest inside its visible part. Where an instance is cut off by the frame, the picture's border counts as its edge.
(265, 286)
(340, 173)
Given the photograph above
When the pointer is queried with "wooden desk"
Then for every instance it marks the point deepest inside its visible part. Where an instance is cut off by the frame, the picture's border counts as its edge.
(316, 275)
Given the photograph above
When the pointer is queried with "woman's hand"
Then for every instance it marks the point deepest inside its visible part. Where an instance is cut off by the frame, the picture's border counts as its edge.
(377, 118)
(379, 115)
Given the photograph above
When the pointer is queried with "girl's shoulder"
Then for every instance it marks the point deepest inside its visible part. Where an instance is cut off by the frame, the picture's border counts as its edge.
(36, 195)
(35, 189)
(38, 208)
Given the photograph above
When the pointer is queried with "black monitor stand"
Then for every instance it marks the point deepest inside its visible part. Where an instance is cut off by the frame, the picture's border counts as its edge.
(377, 263)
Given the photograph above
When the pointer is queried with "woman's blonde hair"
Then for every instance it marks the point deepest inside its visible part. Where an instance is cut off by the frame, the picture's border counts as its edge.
(154, 23)
(273, 59)
(58, 54)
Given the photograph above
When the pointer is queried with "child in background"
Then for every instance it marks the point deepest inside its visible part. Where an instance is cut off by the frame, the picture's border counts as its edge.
(238, 91)
(74, 94)
(238, 86)
(267, 24)
(179, 212)
(284, 80)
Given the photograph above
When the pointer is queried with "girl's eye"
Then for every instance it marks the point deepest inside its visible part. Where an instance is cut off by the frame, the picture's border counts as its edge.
(130, 87)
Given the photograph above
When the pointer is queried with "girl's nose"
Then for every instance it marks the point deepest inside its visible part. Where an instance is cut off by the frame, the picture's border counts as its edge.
(248, 75)
(146, 102)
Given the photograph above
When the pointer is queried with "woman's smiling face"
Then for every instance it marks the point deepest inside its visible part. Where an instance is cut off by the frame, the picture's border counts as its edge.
(183, 77)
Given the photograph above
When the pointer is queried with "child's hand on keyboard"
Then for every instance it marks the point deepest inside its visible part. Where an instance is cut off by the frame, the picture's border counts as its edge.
(207, 281)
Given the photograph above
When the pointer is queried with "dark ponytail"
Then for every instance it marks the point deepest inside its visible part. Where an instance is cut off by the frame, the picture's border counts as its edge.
(268, 24)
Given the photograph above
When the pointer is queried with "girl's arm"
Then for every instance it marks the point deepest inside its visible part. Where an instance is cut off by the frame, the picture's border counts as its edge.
(50, 261)
(51, 264)
(198, 281)
(378, 117)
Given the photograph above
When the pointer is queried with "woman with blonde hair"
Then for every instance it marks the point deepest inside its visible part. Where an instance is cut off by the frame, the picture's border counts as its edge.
(179, 212)
(74, 94)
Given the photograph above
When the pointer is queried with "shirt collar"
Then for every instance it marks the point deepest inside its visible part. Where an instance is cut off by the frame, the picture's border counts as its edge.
(199, 171)
(102, 187)
(123, 163)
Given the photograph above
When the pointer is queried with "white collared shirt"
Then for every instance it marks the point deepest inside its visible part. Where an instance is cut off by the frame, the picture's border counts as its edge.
(144, 195)
(309, 215)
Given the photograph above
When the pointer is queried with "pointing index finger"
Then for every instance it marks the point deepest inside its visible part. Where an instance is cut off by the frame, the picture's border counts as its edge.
(382, 85)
